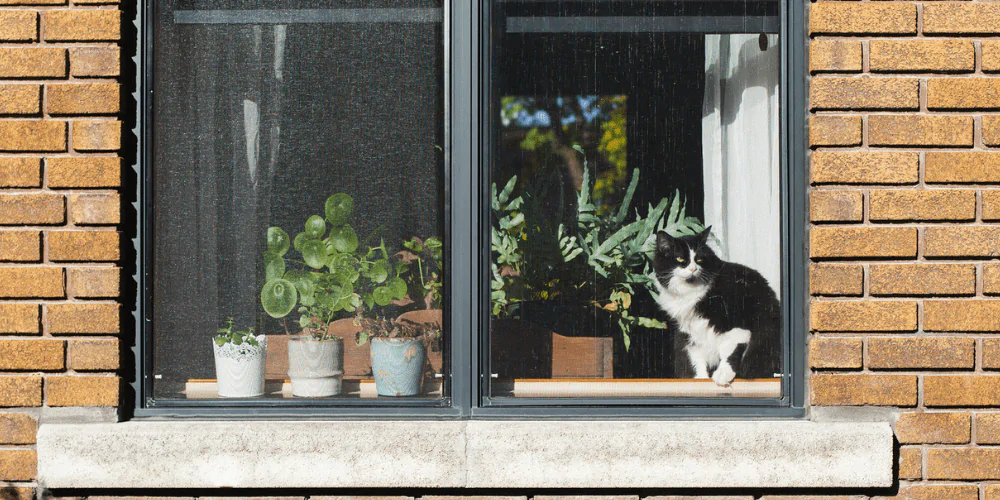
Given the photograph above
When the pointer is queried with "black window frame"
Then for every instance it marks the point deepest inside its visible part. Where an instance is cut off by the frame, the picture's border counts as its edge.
(467, 52)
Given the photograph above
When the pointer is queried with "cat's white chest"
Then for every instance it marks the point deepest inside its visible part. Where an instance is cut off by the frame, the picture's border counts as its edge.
(678, 299)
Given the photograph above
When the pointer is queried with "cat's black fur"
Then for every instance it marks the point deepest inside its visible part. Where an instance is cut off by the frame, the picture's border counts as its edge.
(736, 297)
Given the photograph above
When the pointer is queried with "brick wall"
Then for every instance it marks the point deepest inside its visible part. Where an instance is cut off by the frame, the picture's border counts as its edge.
(60, 133)
(904, 114)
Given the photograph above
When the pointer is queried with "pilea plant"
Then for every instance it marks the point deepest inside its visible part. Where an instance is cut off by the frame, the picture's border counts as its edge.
(229, 334)
(336, 276)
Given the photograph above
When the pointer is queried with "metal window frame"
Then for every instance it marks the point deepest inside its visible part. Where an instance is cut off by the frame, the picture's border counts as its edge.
(467, 51)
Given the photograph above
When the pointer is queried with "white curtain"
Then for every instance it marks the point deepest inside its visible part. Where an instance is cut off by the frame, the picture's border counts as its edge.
(740, 131)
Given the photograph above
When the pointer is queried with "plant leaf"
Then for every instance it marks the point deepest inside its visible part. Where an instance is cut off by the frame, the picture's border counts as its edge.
(277, 241)
(315, 226)
(278, 297)
(338, 209)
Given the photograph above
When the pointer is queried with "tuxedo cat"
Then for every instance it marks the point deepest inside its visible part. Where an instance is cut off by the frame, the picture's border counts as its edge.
(730, 315)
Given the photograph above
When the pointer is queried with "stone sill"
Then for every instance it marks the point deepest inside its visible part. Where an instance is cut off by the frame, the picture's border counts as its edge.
(462, 453)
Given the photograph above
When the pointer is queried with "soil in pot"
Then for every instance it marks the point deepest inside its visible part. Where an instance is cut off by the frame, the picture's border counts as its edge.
(315, 367)
(398, 366)
(239, 369)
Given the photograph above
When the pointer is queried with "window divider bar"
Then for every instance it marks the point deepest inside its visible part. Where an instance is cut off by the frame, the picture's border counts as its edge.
(310, 16)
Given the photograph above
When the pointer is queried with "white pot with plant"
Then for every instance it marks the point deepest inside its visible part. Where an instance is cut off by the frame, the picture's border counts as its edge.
(239, 362)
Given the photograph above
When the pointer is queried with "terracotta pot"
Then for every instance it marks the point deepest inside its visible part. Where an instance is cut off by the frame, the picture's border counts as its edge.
(430, 317)
(357, 361)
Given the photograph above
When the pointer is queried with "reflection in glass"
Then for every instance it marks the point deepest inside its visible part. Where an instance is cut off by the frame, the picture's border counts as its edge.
(297, 181)
(635, 234)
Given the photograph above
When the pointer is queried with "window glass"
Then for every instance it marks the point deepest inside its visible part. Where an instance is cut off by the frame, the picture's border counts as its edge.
(296, 183)
(636, 200)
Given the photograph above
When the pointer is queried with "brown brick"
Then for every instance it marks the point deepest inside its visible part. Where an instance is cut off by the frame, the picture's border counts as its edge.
(963, 463)
(18, 26)
(20, 246)
(840, 56)
(922, 279)
(85, 172)
(935, 492)
(988, 428)
(991, 278)
(18, 465)
(20, 99)
(991, 55)
(963, 93)
(992, 492)
(991, 354)
(81, 391)
(835, 352)
(962, 315)
(32, 355)
(31, 282)
(863, 389)
(82, 246)
(80, 25)
(962, 241)
(921, 55)
(863, 316)
(961, 390)
(27, 209)
(82, 98)
(961, 18)
(17, 493)
(97, 318)
(95, 209)
(910, 463)
(870, 18)
(93, 282)
(95, 61)
(20, 172)
(32, 135)
(924, 204)
(97, 135)
(830, 130)
(863, 242)
(917, 130)
(20, 391)
(934, 428)
(32, 62)
(967, 167)
(991, 130)
(836, 206)
(836, 279)
(864, 168)
(16, 428)
(860, 93)
(98, 354)
(18, 318)
(991, 204)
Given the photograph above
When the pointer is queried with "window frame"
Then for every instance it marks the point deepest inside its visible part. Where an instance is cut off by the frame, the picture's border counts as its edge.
(466, 36)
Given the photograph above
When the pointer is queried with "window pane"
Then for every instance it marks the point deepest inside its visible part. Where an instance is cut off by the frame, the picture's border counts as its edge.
(322, 120)
(622, 132)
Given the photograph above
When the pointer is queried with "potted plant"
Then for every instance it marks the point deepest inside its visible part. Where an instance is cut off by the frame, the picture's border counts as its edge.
(239, 361)
(421, 262)
(335, 278)
(398, 353)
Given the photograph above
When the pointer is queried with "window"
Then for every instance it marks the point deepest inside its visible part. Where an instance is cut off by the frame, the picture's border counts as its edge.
(416, 214)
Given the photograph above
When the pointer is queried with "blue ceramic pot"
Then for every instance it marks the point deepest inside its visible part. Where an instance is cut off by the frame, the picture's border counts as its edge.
(398, 366)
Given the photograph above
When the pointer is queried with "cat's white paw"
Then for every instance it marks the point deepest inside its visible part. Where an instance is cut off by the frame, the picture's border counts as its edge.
(724, 375)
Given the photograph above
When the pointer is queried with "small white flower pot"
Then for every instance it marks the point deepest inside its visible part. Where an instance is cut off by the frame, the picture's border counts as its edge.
(315, 367)
(239, 369)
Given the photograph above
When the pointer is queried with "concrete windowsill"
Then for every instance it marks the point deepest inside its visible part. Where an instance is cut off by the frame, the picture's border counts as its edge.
(474, 454)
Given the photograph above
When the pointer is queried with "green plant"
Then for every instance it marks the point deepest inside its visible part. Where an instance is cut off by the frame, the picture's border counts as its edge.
(428, 256)
(382, 328)
(620, 249)
(228, 334)
(506, 234)
(337, 274)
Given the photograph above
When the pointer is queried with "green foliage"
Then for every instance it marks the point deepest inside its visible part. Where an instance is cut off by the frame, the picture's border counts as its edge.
(228, 334)
(336, 277)
(428, 258)
(506, 233)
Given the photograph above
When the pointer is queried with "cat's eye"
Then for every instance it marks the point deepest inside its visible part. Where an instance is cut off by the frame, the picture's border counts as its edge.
(698, 260)
(680, 259)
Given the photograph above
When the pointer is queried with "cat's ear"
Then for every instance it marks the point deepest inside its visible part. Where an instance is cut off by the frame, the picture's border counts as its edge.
(703, 236)
(664, 243)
